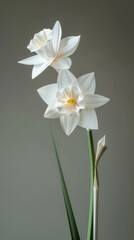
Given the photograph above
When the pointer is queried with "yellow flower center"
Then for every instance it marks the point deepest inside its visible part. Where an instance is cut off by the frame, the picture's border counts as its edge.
(71, 101)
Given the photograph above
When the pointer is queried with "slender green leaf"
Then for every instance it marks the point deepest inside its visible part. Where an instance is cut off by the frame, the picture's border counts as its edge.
(92, 160)
(71, 219)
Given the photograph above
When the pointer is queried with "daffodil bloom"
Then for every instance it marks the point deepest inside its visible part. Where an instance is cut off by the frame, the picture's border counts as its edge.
(73, 101)
(51, 50)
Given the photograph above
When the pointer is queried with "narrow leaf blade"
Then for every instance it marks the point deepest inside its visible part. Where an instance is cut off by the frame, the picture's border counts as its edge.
(70, 215)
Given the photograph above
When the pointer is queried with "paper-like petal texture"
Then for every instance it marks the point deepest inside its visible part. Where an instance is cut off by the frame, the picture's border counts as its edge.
(48, 93)
(65, 79)
(39, 68)
(36, 59)
(56, 32)
(68, 46)
(52, 112)
(62, 63)
(69, 123)
(47, 51)
(94, 100)
(87, 83)
(40, 40)
(88, 119)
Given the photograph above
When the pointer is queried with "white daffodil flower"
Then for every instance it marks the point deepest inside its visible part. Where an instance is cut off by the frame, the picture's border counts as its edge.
(73, 101)
(54, 53)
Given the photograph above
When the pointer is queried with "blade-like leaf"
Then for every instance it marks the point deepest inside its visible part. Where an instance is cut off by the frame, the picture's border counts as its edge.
(71, 219)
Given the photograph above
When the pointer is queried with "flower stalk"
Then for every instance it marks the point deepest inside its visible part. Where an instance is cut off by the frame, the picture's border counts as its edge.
(95, 212)
(92, 161)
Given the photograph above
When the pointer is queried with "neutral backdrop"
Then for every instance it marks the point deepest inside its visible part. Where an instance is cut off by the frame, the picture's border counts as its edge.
(31, 201)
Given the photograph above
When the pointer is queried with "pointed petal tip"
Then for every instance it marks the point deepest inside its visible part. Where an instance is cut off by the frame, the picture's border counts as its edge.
(68, 134)
(107, 99)
(45, 115)
(57, 22)
(20, 61)
(103, 140)
(51, 112)
(77, 38)
(39, 90)
(28, 45)
(33, 76)
(92, 73)
(69, 123)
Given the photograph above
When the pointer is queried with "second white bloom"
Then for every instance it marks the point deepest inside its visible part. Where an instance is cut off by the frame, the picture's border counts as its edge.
(73, 101)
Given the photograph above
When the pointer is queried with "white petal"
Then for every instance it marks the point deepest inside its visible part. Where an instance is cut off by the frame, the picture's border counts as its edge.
(39, 68)
(87, 83)
(69, 123)
(68, 46)
(94, 100)
(52, 112)
(56, 32)
(48, 93)
(36, 59)
(47, 51)
(48, 33)
(44, 35)
(88, 119)
(33, 45)
(65, 79)
(61, 63)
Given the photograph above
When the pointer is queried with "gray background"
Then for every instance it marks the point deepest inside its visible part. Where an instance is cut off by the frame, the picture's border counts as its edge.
(31, 202)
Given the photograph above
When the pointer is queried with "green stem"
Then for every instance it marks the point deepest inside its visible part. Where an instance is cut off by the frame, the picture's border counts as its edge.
(92, 159)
